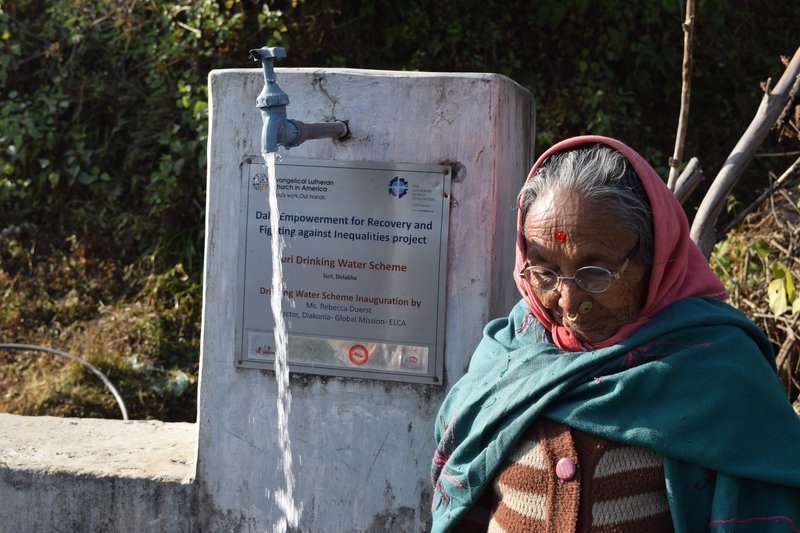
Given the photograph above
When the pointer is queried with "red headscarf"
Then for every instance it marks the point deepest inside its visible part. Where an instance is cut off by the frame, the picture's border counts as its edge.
(679, 268)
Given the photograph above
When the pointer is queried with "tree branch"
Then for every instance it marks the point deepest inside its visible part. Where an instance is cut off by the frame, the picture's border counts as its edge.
(780, 182)
(689, 179)
(772, 104)
(686, 91)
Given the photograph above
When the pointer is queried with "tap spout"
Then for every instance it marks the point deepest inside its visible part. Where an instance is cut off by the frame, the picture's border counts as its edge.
(278, 130)
(319, 130)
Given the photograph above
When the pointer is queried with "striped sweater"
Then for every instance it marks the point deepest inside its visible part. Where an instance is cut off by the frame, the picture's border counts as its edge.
(559, 479)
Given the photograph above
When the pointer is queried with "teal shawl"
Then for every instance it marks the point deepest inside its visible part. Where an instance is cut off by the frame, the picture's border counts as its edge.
(697, 384)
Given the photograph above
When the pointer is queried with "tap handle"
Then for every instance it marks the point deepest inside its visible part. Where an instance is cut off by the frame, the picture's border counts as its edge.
(271, 95)
(267, 52)
(267, 57)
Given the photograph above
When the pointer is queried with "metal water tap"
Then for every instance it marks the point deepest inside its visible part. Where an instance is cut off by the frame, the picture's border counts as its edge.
(279, 130)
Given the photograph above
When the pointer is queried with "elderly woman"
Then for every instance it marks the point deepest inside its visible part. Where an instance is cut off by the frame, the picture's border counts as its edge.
(621, 393)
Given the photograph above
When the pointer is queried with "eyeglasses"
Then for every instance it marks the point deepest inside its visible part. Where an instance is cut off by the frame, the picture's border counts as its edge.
(592, 279)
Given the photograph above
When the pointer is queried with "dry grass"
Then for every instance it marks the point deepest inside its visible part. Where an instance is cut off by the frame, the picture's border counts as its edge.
(747, 260)
(120, 342)
(145, 339)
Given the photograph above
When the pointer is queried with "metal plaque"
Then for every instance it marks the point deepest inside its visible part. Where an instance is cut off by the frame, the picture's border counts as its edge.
(364, 268)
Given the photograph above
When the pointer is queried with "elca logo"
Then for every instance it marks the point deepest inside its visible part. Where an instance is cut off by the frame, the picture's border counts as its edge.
(260, 182)
(398, 187)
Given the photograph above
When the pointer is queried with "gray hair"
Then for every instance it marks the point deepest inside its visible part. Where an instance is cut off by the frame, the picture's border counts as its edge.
(598, 173)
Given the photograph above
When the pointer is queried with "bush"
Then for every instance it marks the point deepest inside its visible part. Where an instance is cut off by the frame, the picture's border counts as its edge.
(103, 112)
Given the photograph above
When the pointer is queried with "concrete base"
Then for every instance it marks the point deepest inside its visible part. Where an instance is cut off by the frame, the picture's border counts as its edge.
(361, 448)
(67, 474)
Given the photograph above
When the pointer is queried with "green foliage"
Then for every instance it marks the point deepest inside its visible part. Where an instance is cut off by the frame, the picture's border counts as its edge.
(758, 264)
(602, 67)
(103, 129)
(781, 290)
(743, 263)
(103, 108)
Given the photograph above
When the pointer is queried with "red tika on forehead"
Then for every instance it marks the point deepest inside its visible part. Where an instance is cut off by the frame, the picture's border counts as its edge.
(560, 236)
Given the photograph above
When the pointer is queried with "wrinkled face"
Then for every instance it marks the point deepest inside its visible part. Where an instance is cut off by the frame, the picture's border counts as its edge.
(564, 233)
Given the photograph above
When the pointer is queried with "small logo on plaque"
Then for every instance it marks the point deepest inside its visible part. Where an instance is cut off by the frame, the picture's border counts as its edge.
(358, 354)
(411, 361)
(260, 182)
(398, 187)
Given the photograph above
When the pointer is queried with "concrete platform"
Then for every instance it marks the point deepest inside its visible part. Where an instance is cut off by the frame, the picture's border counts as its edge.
(133, 449)
(97, 475)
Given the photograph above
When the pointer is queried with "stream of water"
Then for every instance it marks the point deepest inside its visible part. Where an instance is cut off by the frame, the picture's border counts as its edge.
(283, 498)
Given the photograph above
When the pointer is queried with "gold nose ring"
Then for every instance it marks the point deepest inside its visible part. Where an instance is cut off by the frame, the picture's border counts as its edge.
(584, 308)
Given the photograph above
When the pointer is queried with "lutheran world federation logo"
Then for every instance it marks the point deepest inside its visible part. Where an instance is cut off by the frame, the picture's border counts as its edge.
(398, 187)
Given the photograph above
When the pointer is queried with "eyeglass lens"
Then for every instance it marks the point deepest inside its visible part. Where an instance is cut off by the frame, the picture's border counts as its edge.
(590, 278)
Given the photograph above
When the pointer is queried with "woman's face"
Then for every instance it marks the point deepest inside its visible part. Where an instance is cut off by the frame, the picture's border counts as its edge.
(564, 233)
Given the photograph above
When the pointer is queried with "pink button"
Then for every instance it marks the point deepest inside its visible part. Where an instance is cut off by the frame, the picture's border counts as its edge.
(566, 468)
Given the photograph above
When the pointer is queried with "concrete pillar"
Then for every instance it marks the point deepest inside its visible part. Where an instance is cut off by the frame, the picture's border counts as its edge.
(361, 448)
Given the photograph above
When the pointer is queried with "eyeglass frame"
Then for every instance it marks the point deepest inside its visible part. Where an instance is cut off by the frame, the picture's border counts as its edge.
(615, 275)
